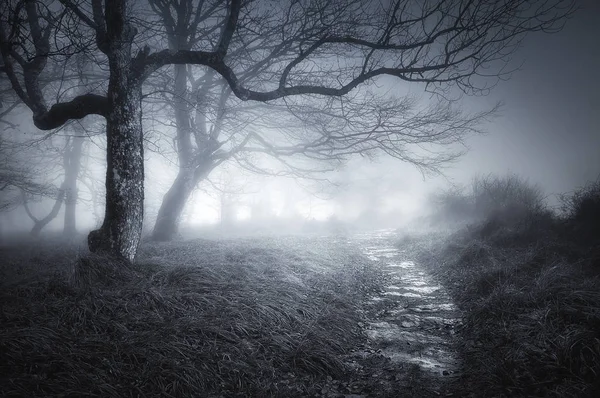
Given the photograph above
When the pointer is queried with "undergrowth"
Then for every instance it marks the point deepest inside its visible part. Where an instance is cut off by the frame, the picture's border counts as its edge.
(199, 318)
(529, 287)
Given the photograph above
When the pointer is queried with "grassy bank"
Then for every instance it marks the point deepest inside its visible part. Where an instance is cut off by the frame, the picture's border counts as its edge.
(197, 318)
(528, 283)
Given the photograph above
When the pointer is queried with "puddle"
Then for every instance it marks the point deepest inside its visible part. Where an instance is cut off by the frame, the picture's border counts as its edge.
(397, 333)
(423, 289)
(435, 307)
(429, 363)
(404, 264)
(417, 324)
(413, 295)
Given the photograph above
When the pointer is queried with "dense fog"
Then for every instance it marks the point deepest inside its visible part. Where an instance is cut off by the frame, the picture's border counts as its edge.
(546, 131)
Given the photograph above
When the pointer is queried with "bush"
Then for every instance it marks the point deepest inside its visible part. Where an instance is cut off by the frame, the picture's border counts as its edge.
(493, 202)
(453, 205)
(509, 197)
(504, 210)
(582, 211)
(531, 324)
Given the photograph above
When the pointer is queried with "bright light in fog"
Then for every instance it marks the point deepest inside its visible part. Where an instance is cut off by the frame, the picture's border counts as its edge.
(277, 201)
(205, 211)
(243, 213)
(274, 199)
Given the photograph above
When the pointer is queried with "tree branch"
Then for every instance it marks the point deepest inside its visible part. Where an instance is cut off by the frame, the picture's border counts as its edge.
(78, 108)
(229, 29)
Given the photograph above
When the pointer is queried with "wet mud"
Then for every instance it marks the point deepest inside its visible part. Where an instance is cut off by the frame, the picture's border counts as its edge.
(411, 323)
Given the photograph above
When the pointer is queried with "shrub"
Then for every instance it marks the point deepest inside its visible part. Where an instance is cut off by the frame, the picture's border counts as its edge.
(509, 200)
(510, 197)
(452, 205)
(531, 324)
(582, 211)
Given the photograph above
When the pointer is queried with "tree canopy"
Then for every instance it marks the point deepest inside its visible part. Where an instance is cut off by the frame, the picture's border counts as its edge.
(263, 51)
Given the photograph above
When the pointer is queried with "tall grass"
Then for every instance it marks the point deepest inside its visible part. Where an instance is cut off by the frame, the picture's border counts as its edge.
(198, 318)
(581, 211)
(530, 288)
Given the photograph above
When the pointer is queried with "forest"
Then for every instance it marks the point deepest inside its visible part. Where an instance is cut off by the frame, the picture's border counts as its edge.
(256, 198)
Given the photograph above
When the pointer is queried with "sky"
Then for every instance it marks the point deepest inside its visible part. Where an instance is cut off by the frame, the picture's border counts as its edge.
(549, 127)
(548, 130)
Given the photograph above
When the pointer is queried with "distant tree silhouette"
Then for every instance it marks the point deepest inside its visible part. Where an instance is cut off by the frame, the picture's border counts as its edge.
(308, 48)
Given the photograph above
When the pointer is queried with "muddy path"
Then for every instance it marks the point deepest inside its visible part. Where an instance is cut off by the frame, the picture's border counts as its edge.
(410, 325)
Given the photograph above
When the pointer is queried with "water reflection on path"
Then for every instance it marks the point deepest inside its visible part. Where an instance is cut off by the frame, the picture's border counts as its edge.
(415, 318)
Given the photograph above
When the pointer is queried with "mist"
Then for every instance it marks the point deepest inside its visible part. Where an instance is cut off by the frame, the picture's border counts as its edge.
(299, 198)
(546, 131)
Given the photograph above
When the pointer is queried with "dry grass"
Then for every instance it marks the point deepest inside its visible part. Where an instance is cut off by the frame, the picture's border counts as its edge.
(199, 318)
(532, 312)
(528, 282)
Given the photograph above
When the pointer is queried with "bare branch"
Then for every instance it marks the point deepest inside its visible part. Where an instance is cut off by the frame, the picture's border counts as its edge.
(230, 25)
(445, 43)
(78, 108)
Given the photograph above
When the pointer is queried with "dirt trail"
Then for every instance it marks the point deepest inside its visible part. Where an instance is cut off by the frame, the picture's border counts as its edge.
(413, 321)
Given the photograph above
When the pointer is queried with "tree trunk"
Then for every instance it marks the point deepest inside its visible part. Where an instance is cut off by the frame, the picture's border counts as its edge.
(70, 225)
(121, 231)
(38, 225)
(192, 168)
(169, 214)
(72, 167)
(173, 203)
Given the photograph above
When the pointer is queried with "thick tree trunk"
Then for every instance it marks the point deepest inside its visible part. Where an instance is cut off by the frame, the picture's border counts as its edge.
(121, 231)
(72, 167)
(174, 201)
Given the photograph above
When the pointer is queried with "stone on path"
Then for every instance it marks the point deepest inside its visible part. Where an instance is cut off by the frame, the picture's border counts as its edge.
(417, 316)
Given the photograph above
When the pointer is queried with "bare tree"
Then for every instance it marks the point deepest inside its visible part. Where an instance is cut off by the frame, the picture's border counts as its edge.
(24, 182)
(15, 174)
(68, 154)
(304, 137)
(326, 48)
(16, 177)
(40, 223)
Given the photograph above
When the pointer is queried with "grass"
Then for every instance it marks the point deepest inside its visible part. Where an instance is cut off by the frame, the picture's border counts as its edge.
(530, 291)
(284, 317)
(197, 318)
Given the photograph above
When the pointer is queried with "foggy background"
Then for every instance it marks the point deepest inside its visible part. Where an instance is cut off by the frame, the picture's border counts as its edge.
(547, 131)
